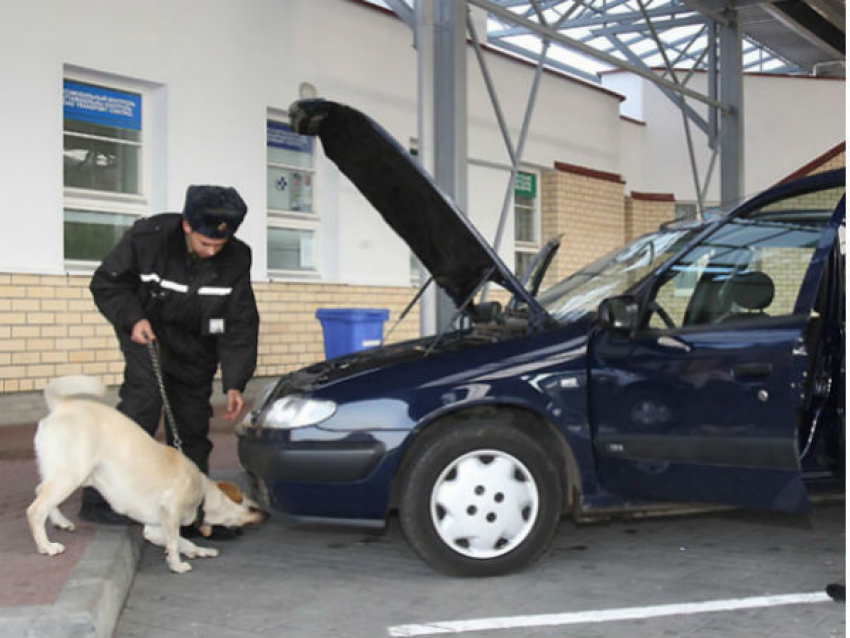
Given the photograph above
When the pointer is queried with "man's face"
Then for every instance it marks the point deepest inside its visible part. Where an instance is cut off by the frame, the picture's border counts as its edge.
(201, 245)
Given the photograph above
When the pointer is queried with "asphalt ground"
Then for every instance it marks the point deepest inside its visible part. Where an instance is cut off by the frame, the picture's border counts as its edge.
(735, 573)
(680, 576)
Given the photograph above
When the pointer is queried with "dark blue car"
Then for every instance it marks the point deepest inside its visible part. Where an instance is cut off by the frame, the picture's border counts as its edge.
(703, 363)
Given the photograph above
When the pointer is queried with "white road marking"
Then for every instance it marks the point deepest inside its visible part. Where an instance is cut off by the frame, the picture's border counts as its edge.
(604, 615)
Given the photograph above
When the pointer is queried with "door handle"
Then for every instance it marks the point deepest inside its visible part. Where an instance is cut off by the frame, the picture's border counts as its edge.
(673, 343)
(751, 371)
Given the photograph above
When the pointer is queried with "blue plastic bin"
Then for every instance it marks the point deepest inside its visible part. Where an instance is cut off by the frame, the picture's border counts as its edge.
(351, 329)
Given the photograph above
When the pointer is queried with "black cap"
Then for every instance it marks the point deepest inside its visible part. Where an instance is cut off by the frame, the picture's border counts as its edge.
(214, 211)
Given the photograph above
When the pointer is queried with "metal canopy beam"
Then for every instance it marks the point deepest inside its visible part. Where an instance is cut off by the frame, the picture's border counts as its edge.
(649, 27)
(556, 64)
(597, 20)
(556, 36)
(674, 96)
(623, 34)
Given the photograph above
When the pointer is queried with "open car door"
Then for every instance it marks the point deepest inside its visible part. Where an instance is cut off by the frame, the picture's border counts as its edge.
(700, 398)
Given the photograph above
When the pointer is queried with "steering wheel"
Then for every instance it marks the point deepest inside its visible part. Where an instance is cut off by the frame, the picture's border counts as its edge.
(655, 307)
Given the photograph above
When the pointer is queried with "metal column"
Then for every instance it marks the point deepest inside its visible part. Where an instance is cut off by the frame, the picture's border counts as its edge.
(441, 63)
(731, 121)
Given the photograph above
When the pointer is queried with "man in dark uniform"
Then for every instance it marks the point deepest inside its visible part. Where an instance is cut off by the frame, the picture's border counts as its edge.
(185, 282)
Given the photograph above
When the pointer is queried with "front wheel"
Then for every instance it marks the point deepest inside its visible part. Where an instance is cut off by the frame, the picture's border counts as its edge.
(481, 499)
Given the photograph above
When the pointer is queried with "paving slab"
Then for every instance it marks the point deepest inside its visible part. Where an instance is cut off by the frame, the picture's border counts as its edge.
(80, 592)
(285, 580)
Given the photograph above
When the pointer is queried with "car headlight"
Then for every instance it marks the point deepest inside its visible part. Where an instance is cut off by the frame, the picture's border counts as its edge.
(250, 419)
(292, 412)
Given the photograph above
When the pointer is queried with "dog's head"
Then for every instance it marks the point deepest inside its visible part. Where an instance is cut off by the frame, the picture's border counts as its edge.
(225, 504)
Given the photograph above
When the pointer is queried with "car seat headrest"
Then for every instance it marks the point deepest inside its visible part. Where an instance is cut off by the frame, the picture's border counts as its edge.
(752, 290)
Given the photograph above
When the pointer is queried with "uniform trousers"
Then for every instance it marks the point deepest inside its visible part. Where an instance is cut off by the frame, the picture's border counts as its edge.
(140, 400)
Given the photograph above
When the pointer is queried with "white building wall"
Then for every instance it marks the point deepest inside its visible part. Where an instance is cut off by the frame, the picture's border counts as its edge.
(213, 68)
(571, 122)
(788, 121)
(633, 165)
(632, 87)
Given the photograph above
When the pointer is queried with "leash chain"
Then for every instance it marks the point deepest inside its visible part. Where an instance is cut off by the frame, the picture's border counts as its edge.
(169, 415)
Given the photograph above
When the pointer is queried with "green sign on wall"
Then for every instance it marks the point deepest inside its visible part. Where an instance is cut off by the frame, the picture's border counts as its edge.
(525, 185)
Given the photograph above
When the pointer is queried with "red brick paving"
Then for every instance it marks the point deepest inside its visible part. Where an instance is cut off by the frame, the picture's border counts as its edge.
(26, 577)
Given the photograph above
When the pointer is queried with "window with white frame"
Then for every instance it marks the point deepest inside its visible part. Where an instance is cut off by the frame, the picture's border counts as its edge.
(526, 221)
(103, 166)
(293, 222)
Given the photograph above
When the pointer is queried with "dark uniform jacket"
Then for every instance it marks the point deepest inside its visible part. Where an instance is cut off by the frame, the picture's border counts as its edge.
(202, 310)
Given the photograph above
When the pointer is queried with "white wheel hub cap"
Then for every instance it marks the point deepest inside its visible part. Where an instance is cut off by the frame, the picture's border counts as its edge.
(484, 504)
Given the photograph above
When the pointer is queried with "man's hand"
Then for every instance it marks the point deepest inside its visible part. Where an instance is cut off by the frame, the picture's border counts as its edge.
(235, 403)
(142, 332)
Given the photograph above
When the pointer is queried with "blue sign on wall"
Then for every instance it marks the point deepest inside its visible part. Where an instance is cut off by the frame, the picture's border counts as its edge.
(99, 105)
(281, 135)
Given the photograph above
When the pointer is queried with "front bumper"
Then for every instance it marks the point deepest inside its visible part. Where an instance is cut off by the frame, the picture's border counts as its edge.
(275, 457)
(315, 473)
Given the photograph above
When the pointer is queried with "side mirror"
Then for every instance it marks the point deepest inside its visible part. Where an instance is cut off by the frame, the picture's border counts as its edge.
(619, 313)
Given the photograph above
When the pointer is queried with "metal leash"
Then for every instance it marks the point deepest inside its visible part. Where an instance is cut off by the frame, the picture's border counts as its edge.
(169, 415)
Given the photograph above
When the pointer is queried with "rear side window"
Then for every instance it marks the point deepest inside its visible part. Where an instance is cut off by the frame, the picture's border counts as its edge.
(750, 268)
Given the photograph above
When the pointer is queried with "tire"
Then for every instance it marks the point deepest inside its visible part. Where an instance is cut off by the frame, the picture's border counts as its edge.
(480, 499)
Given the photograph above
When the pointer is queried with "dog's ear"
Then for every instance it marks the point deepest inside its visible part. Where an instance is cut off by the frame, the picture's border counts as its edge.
(231, 490)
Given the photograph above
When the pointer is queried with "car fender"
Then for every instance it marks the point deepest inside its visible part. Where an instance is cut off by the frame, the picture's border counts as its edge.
(518, 412)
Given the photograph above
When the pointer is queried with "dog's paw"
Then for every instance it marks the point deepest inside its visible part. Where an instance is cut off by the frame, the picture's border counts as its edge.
(68, 526)
(180, 567)
(206, 552)
(51, 549)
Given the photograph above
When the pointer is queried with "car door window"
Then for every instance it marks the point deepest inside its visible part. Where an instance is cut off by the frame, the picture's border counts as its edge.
(750, 269)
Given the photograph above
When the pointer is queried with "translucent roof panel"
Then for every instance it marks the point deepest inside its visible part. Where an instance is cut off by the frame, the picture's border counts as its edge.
(654, 33)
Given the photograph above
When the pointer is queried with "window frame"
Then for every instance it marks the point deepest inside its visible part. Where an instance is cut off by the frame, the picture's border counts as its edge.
(95, 201)
(530, 248)
(294, 220)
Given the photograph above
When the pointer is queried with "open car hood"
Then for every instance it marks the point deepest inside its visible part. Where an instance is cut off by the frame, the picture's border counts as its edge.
(444, 240)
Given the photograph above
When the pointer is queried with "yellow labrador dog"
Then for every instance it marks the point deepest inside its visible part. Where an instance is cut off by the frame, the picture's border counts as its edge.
(83, 442)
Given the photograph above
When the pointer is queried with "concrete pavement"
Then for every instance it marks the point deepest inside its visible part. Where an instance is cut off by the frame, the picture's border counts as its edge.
(602, 580)
(284, 580)
(81, 592)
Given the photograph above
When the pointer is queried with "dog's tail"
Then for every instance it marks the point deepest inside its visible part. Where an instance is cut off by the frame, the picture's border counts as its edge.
(70, 386)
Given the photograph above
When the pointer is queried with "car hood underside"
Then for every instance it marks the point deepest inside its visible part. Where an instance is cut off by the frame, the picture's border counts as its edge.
(440, 235)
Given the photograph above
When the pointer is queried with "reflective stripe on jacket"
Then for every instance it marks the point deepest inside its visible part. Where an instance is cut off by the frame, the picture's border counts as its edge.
(202, 311)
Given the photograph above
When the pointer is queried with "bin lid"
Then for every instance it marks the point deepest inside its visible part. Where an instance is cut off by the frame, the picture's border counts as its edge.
(353, 314)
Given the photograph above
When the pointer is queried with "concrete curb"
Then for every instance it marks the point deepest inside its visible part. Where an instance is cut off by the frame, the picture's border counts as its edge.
(92, 599)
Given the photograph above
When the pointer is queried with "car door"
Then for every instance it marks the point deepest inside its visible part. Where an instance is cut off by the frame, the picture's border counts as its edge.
(701, 399)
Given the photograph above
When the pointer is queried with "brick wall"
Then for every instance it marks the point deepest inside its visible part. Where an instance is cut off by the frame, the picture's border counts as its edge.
(838, 161)
(586, 207)
(49, 327)
(645, 212)
(591, 211)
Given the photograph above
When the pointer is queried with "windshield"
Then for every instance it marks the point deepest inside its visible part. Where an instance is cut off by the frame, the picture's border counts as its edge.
(612, 275)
